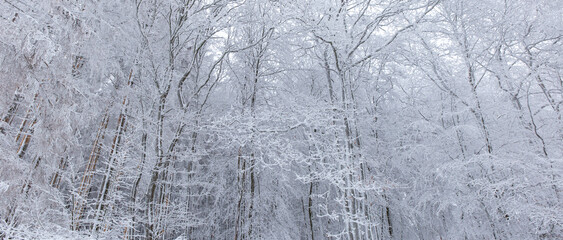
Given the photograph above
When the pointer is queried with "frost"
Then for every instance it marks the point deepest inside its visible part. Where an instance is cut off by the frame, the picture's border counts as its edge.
(260, 119)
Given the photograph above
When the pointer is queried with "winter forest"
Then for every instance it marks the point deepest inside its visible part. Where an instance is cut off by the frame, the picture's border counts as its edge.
(281, 119)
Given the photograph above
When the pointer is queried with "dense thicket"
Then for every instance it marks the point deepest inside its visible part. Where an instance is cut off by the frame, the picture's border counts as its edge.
(262, 119)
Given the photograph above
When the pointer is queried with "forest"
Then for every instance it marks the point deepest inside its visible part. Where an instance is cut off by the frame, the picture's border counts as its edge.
(281, 119)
